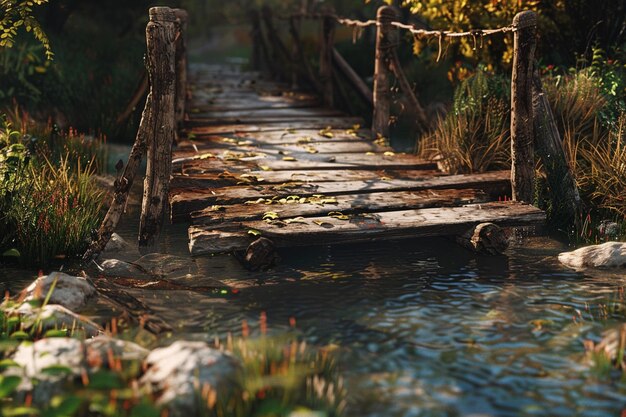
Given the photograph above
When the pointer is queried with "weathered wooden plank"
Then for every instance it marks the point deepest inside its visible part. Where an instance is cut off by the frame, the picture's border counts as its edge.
(346, 204)
(203, 179)
(374, 227)
(279, 126)
(253, 103)
(185, 201)
(259, 116)
(217, 144)
(254, 160)
(294, 121)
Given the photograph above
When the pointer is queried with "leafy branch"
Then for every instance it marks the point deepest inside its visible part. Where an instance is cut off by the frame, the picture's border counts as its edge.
(16, 14)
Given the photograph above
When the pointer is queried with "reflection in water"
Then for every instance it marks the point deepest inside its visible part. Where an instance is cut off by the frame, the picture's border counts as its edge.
(423, 327)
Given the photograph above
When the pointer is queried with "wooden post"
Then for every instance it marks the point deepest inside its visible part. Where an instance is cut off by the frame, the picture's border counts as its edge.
(564, 192)
(386, 40)
(326, 59)
(416, 107)
(161, 43)
(181, 64)
(522, 151)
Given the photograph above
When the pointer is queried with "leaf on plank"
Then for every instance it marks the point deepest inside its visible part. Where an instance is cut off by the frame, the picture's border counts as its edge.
(326, 132)
(323, 224)
(338, 215)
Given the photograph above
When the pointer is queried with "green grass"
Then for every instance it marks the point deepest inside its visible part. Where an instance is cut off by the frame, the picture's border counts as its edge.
(49, 203)
(278, 375)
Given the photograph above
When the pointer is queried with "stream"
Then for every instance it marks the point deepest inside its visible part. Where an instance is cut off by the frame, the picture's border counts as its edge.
(421, 327)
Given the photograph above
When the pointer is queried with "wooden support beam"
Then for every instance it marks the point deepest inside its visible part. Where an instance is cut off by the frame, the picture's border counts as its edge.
(564, 192)
(386, 41)
(326, 59)
(355, 80)
(522, 150)
(416, 107)
(161, 43)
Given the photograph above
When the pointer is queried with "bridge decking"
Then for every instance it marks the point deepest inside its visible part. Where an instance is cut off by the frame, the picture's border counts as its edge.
(259, 158)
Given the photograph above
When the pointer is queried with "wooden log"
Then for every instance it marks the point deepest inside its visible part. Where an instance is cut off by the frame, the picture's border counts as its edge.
(182, 18)
(522, 152)
(447, 221)
(161, 43)
(326, 59)
(123, 185)
(386, 41)
(353, 78)
(260, 255)
(485, 238)
(564, 192)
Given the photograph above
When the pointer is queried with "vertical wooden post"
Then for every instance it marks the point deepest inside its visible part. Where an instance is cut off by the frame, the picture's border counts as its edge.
(522, 150)
(565, 198)
(161, 43)
(181, 64)
(386, 40)
(326, 59)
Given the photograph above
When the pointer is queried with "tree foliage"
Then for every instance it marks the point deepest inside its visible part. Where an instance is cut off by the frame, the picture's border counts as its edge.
(18, 14)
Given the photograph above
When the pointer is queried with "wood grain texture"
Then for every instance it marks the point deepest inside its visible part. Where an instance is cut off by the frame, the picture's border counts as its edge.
(379, 226)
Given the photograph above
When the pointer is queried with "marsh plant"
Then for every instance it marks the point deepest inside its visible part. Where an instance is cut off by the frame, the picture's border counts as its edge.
(49, 206)
(474, 135)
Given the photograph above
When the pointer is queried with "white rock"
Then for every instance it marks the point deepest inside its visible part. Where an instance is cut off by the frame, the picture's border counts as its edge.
(179, 372)
(117, 245)
(71, 292)
(54, 316)
(117, 268)
(99, 348)
(606, 255)
(34, 358)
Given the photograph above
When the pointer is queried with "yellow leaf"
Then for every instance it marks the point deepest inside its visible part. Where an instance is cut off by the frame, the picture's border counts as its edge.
(289, 158)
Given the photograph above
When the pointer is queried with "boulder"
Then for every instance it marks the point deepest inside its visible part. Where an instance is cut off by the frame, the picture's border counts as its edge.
(161, 264)
(178, 373)
(118, 268)
(36, 362)
(71, 292)
(117, 245)
(54, 316)
(606, 255)
(102, 348)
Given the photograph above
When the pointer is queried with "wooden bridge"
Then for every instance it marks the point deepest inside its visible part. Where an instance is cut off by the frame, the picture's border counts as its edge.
(260, 159)
(257, 158)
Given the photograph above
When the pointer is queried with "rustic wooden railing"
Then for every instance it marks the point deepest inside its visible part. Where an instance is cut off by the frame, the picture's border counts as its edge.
(532, 121)
(164, 111)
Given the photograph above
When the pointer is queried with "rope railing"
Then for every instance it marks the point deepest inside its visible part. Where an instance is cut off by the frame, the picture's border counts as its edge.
(408, 27)
(387, 65)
